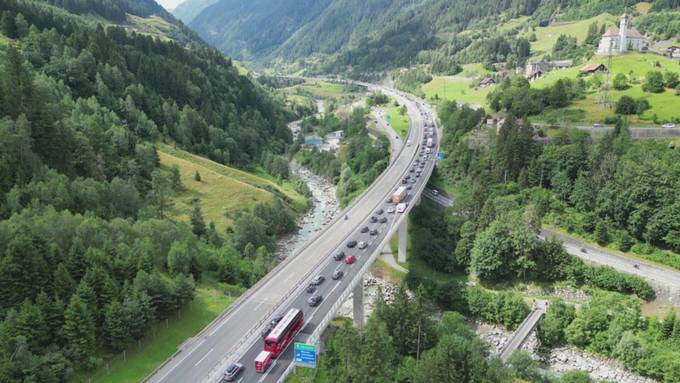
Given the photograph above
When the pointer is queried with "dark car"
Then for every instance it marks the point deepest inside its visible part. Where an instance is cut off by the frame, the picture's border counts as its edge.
(277, 318)
(373, 232)
(404, 181)
(411, 170)
(339, 255)
(417, 175)
(232, 372)
(364, 229)
(266, 330)
(379, 211)
(351, 244)
(318, 280)
(310, 289)
(383, 220)
(338, 274)
(373, 219)
(314, 300)
(408, 176)
(409, 187)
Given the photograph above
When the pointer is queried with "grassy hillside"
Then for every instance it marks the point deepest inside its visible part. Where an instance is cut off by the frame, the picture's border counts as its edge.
(163, 340)
(635, 66)
(455, 88)
(398, 120)
(222, 190)
(547, 36)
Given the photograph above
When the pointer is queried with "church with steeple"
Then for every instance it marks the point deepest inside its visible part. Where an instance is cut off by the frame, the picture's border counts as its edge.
(620, 40)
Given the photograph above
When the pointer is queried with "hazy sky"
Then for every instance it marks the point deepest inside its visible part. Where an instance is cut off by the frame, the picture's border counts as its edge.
(169, 4)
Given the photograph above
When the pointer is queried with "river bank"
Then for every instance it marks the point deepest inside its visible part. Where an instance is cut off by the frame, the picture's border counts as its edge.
(325, 207)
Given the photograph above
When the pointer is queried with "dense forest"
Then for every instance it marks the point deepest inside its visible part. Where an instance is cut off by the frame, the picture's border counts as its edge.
(89, 259)
(614, 190)
(403, 343)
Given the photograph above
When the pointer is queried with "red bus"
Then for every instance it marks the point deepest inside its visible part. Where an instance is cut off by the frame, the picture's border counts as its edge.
(284, 332)
(262, 361)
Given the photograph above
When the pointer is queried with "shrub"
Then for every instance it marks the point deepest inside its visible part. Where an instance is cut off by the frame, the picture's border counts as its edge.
(626, 105)
(654, 82)
(620, 82)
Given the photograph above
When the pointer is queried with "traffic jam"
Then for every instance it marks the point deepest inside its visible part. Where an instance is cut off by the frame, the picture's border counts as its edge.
(282, 329)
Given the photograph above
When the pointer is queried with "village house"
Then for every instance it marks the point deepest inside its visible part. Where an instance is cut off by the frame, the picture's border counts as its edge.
(313, 141)
(590, 69)
(487, 82)
(333, 139)
(673, 52)
(538, 68)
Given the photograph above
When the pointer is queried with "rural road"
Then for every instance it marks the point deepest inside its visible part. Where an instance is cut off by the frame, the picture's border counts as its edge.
(665, 281)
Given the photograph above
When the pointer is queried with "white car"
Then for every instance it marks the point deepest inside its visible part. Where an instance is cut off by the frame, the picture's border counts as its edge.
(390, 210)
(668, 126)
(401, 207)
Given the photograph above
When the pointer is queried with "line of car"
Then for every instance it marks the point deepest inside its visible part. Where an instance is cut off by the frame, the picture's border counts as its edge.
(232, 372)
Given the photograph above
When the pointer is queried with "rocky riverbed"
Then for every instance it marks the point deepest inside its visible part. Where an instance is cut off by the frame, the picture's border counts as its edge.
(325, 208)
(561, 359)
(371, 285)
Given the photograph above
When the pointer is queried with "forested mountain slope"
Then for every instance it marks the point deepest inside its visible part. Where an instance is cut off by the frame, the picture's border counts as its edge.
(381, 34)
(89, 255)
(189, 9)
(253, 29)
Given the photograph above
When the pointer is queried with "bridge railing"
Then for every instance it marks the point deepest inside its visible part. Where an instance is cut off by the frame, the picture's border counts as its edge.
(248, 338)
(358, 278)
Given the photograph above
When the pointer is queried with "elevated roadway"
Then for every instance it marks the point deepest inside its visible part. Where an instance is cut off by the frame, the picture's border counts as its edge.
(235, 335)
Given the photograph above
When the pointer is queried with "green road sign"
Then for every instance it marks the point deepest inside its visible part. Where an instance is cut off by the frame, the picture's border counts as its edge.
(305, 355)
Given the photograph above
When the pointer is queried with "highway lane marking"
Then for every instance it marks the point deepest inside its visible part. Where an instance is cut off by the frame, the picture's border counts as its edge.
(271, 367)
(204, 356)
(273, 281)
(259, 304)
(181, 361)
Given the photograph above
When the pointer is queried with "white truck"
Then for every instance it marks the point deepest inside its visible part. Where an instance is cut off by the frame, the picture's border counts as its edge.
(399, 195)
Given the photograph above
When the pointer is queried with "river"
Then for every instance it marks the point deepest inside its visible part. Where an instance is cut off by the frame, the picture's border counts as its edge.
(325, 207)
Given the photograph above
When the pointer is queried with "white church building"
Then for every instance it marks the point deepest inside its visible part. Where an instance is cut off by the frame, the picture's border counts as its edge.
(621, 40)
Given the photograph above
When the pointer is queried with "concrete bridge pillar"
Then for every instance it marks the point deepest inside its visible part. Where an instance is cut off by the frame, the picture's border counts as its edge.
(403, 240)
(358, 304)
